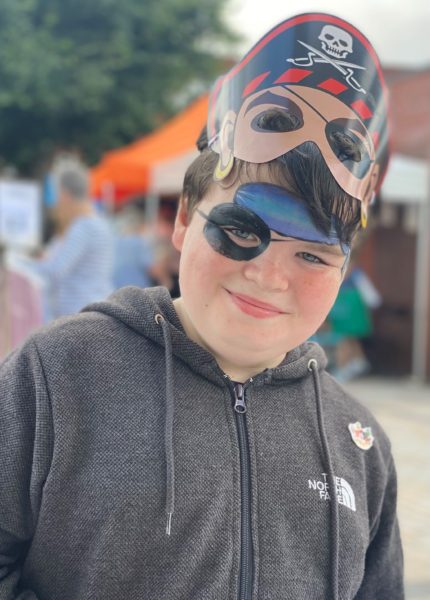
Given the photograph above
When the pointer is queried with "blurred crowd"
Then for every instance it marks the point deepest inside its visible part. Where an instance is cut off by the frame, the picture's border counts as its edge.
(87, 254)
(349, 325)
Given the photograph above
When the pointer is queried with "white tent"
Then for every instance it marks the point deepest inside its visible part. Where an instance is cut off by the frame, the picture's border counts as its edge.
(408, 182)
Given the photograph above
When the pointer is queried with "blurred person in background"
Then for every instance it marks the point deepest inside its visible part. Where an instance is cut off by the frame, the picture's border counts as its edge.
(77, 265)
(134, 250)
(349, 326)
(350, 323)
(144, 254)
(21, 310)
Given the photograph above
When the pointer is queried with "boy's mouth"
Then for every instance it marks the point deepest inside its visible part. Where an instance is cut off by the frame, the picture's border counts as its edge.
(254, 307)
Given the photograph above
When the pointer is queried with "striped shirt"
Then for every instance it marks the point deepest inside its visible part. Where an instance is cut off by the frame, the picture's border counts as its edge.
(78, 267)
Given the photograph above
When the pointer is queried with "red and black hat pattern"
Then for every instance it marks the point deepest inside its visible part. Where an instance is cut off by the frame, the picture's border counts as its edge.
(315, 50)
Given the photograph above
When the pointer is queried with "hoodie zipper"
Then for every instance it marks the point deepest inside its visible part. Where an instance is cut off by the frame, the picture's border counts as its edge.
(246, 550)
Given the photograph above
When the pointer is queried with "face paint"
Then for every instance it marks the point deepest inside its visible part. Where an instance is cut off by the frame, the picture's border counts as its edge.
(284, 213)
(241, 230)
(235, 232)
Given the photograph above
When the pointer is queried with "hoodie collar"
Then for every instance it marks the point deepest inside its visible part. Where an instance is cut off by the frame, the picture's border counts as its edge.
(137, 308)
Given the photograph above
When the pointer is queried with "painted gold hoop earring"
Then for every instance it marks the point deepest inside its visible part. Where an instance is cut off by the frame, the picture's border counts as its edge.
(363, 218)
(220, 172)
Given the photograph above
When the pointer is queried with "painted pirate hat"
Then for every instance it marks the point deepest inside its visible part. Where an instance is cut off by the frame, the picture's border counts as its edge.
(326, 75)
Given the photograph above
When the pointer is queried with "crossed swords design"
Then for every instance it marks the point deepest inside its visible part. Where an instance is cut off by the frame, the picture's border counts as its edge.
(316, 56)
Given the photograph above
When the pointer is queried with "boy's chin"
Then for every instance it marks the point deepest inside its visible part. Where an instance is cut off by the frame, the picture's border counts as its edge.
(258, 346)
(243, 358)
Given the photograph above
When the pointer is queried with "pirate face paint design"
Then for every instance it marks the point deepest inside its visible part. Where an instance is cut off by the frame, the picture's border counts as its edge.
(235, 232)
(241, 230)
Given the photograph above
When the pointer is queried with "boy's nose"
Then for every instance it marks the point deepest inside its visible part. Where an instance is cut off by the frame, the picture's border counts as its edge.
(268, 271)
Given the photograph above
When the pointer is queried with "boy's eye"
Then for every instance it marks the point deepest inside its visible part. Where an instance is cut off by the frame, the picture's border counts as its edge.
(246, 239)
(235, 232)
(308, 257)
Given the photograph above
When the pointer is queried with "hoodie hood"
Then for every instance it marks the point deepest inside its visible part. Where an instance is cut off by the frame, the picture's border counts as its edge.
(137, 309)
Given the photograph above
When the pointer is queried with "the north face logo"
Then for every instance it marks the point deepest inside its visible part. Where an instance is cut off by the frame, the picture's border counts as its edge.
(344, 492)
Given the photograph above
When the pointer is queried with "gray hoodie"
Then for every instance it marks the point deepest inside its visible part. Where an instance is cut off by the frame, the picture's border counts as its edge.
(126, 472)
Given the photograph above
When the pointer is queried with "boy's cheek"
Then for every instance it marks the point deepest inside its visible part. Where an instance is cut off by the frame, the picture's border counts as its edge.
(322, 293)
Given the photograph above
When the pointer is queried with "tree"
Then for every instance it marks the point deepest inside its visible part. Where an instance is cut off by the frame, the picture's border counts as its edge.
(93, 75)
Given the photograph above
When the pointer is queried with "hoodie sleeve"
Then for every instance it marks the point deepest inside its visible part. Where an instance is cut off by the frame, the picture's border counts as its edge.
(383, 576)
(26, 442)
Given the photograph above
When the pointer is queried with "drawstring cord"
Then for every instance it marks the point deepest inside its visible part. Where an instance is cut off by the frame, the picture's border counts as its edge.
(170, 457)
(168, 431)
(334, 509)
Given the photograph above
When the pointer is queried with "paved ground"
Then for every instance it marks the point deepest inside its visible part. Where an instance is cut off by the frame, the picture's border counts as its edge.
(402, 406)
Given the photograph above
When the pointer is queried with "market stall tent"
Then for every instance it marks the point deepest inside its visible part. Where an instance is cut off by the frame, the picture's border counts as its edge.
(154, 164)
(410, 114)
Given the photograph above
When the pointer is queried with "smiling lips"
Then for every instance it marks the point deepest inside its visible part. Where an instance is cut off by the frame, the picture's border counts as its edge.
(254, 307)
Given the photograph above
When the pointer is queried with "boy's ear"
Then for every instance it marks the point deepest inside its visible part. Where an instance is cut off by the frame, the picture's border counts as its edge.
(181, 224)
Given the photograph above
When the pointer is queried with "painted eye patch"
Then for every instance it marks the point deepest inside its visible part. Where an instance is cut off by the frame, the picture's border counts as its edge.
(241, 230)
(284, 213)
(235, 232)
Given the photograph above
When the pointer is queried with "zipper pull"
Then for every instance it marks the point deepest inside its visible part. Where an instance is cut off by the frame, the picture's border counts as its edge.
(239, 398)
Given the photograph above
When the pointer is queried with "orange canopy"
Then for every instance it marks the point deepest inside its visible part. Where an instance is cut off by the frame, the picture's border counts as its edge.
(154, 164)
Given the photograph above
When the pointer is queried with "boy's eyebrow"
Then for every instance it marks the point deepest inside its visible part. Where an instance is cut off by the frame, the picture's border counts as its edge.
(328, 248)
(334, 249)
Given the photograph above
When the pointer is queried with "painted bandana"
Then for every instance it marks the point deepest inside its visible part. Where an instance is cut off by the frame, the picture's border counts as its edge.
(325, 74)
(241, 229)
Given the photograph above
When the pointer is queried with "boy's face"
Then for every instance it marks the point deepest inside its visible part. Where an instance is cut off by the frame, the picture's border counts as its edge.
(246, 298)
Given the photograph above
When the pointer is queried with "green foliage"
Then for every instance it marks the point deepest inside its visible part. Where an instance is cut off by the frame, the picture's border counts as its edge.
(95, 74)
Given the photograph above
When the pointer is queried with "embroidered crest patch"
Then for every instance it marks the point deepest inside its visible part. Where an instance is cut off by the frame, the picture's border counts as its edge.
(361, 436)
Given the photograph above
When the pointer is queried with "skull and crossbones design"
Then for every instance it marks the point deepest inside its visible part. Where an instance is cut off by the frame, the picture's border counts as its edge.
(336, 46)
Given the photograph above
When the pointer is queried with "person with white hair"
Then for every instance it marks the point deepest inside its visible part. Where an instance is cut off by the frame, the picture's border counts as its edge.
(77, 265)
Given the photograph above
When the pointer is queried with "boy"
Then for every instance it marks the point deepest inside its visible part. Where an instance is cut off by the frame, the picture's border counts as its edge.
(197, 449)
